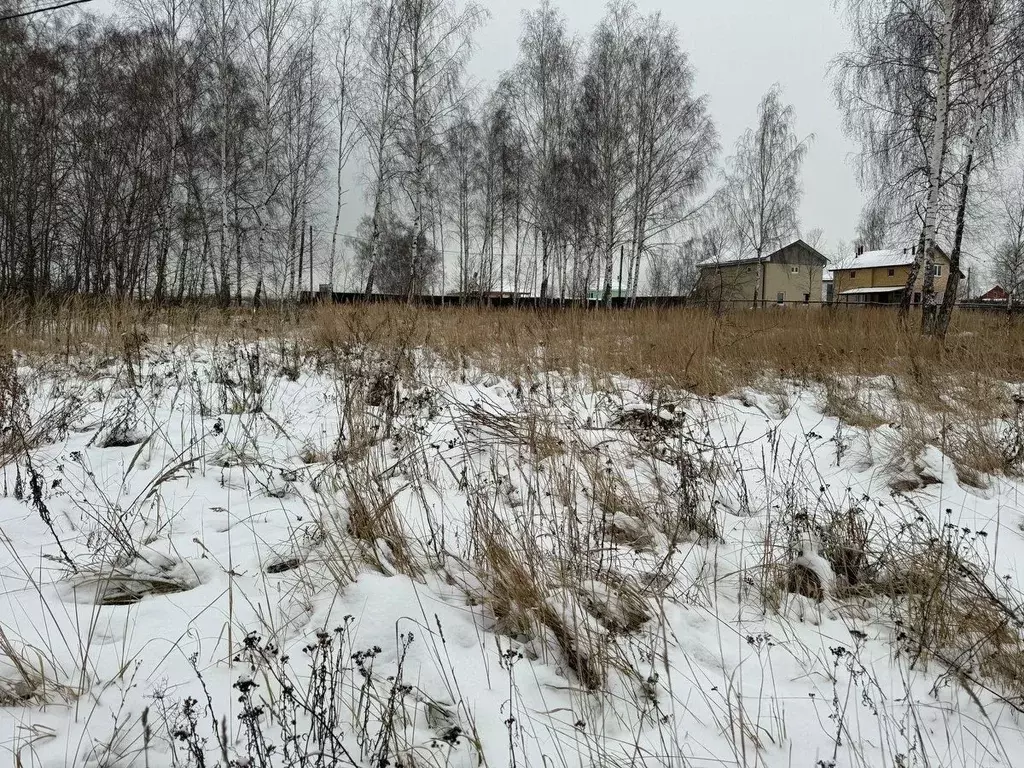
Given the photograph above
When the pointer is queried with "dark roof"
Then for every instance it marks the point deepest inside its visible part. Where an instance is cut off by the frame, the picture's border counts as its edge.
(733, 260)
(998, 293)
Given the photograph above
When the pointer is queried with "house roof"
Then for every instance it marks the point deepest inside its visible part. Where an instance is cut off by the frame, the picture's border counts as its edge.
(888, 257)
(891, 257)
(735, 259)
(863, 291)
(731, 260)
(997, 293)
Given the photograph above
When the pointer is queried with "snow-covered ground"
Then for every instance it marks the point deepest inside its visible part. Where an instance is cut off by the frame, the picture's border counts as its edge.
(238, 554)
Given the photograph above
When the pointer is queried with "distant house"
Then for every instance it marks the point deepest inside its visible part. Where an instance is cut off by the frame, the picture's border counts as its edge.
(997, 295)
(791, 274)
(879, 277)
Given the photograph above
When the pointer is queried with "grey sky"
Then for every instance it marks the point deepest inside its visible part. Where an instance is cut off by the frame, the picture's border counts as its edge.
(739, 48)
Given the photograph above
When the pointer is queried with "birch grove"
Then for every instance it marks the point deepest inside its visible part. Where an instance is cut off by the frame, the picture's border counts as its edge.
(245, 134)
(433, 46)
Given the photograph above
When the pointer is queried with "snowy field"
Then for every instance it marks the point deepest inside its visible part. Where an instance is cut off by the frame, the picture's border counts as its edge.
(242, 554)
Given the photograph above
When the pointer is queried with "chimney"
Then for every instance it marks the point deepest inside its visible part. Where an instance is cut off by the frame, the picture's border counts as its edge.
(860, 250)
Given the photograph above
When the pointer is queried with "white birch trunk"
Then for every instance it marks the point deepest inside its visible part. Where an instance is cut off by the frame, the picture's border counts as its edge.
(225, 121)
(936, 162)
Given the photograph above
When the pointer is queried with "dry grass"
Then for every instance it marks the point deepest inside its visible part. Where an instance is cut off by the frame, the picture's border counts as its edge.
(29, 679)
(696, 350)
(947, 607)
(690, 348)
(950, 395)
(933, 581)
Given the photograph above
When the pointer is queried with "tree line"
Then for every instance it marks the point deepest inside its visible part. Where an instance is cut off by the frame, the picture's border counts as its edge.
(160, 155)
(208, 147)
(580, 160)
(205, 147)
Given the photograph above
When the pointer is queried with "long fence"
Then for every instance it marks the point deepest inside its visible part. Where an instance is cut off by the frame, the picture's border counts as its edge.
(507, 301)
(504, 301)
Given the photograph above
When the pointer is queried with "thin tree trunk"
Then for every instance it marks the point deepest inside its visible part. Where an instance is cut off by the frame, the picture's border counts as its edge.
(238, 252)
(515, 268)
(545, 258)
(337, 215)
(606, 299)
(374, 246)
(941, 323)
(936, 162)
(225, 287)
(341, 66)
(302, 251)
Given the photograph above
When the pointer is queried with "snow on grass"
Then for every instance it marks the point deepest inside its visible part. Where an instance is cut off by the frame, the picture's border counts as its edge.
(233, 554)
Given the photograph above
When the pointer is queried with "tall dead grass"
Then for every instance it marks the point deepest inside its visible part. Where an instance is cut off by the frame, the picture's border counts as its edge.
(948, 393)
(700, 351)
(691, 348)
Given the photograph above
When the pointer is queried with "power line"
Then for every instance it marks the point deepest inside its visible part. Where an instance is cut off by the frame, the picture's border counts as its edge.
(33, 12)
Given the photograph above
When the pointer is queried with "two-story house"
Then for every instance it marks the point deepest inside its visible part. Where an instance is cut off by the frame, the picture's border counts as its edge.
(879, 277)
(789, 275)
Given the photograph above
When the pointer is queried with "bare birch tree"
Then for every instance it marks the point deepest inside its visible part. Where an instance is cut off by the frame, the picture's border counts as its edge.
(605, 125)
(462, 142)
(763, 187)
(170, 20)
(930, 85)
(270, 47)
(505, 149)
(888, 90)
(306, 143)
(379, 116)
(675, 141)
(937, 153)
(347, 65)
(221, 17)
(545, 83)
(434, 44)
(994, 80)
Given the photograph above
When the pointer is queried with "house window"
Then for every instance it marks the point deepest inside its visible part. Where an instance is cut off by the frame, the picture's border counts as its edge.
(780, 298)
(853, 273)
(892, 273)
(795, 270)
(937, 270)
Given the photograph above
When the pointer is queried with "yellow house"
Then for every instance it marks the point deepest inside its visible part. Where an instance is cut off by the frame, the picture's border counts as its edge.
(879, 277)
(789, 275)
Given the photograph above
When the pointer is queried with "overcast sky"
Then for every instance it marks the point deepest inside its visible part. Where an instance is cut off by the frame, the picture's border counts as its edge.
(740, 48)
